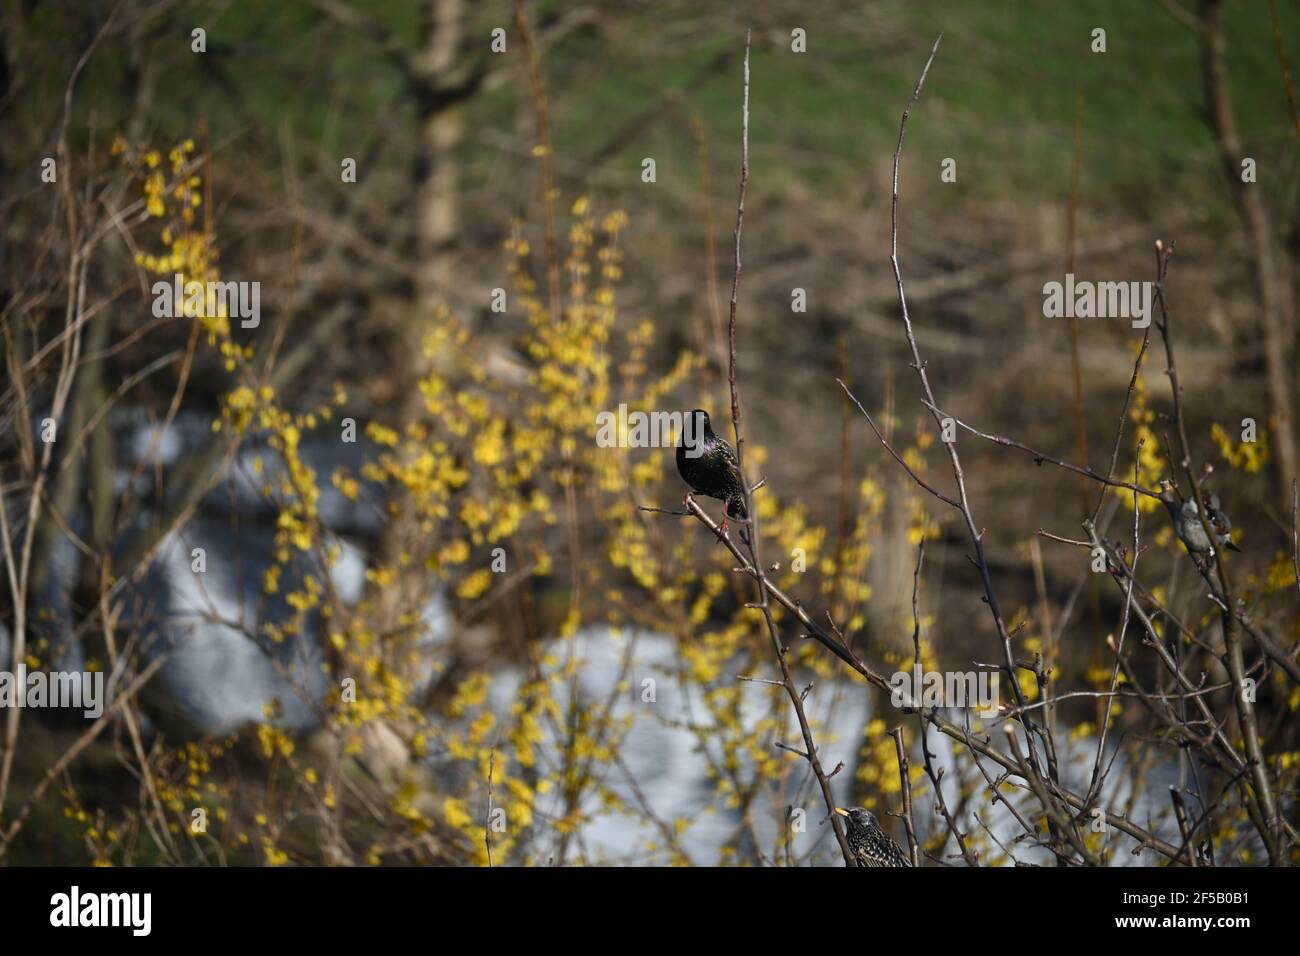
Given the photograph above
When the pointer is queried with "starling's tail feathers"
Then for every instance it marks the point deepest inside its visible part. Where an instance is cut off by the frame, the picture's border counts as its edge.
(735, 508)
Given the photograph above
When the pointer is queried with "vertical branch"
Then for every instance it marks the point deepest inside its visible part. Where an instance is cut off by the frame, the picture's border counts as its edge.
(548, 162)
(936, 776)
(735, 285)
(751, 538)
(1261, 792)
(487, 825)
(1295, 532)
(1049, 631)
(906, 784)
(1131, 572)
(844, 515)
(976, 535)
(19, 573)
(1285, 63)
(1180, 814)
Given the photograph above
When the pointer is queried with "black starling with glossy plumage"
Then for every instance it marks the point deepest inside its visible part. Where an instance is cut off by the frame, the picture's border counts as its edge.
(712, 472)
(871, 845)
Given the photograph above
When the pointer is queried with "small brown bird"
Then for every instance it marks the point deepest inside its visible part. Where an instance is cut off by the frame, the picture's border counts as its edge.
(871, 845)
(1187, 521)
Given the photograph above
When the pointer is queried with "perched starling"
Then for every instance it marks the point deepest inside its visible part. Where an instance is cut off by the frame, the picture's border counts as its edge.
(870, 844)
(713, 471)
(1187, 521)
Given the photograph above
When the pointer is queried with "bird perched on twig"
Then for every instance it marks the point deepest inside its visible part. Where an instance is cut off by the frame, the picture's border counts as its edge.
(707, 463)
(1187, 521)
(871, 845)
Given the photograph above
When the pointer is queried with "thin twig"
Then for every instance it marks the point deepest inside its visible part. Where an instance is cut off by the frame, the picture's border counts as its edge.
(751, 538)
(906, 784)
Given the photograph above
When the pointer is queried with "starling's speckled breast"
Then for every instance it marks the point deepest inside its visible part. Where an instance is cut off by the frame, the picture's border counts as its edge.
(871, 845)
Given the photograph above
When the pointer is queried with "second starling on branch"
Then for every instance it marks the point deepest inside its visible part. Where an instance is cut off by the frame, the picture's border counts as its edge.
(707, 463)
(1187, 521)
(871, 845)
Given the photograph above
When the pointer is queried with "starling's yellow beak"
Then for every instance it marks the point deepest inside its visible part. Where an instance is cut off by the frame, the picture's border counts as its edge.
(841, 811)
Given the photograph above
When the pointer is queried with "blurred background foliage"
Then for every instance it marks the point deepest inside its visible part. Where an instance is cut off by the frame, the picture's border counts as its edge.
(477, 425)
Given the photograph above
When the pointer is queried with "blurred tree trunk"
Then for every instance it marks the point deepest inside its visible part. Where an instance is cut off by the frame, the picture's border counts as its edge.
(437, 203)
(1272, 285)
(439, 78)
